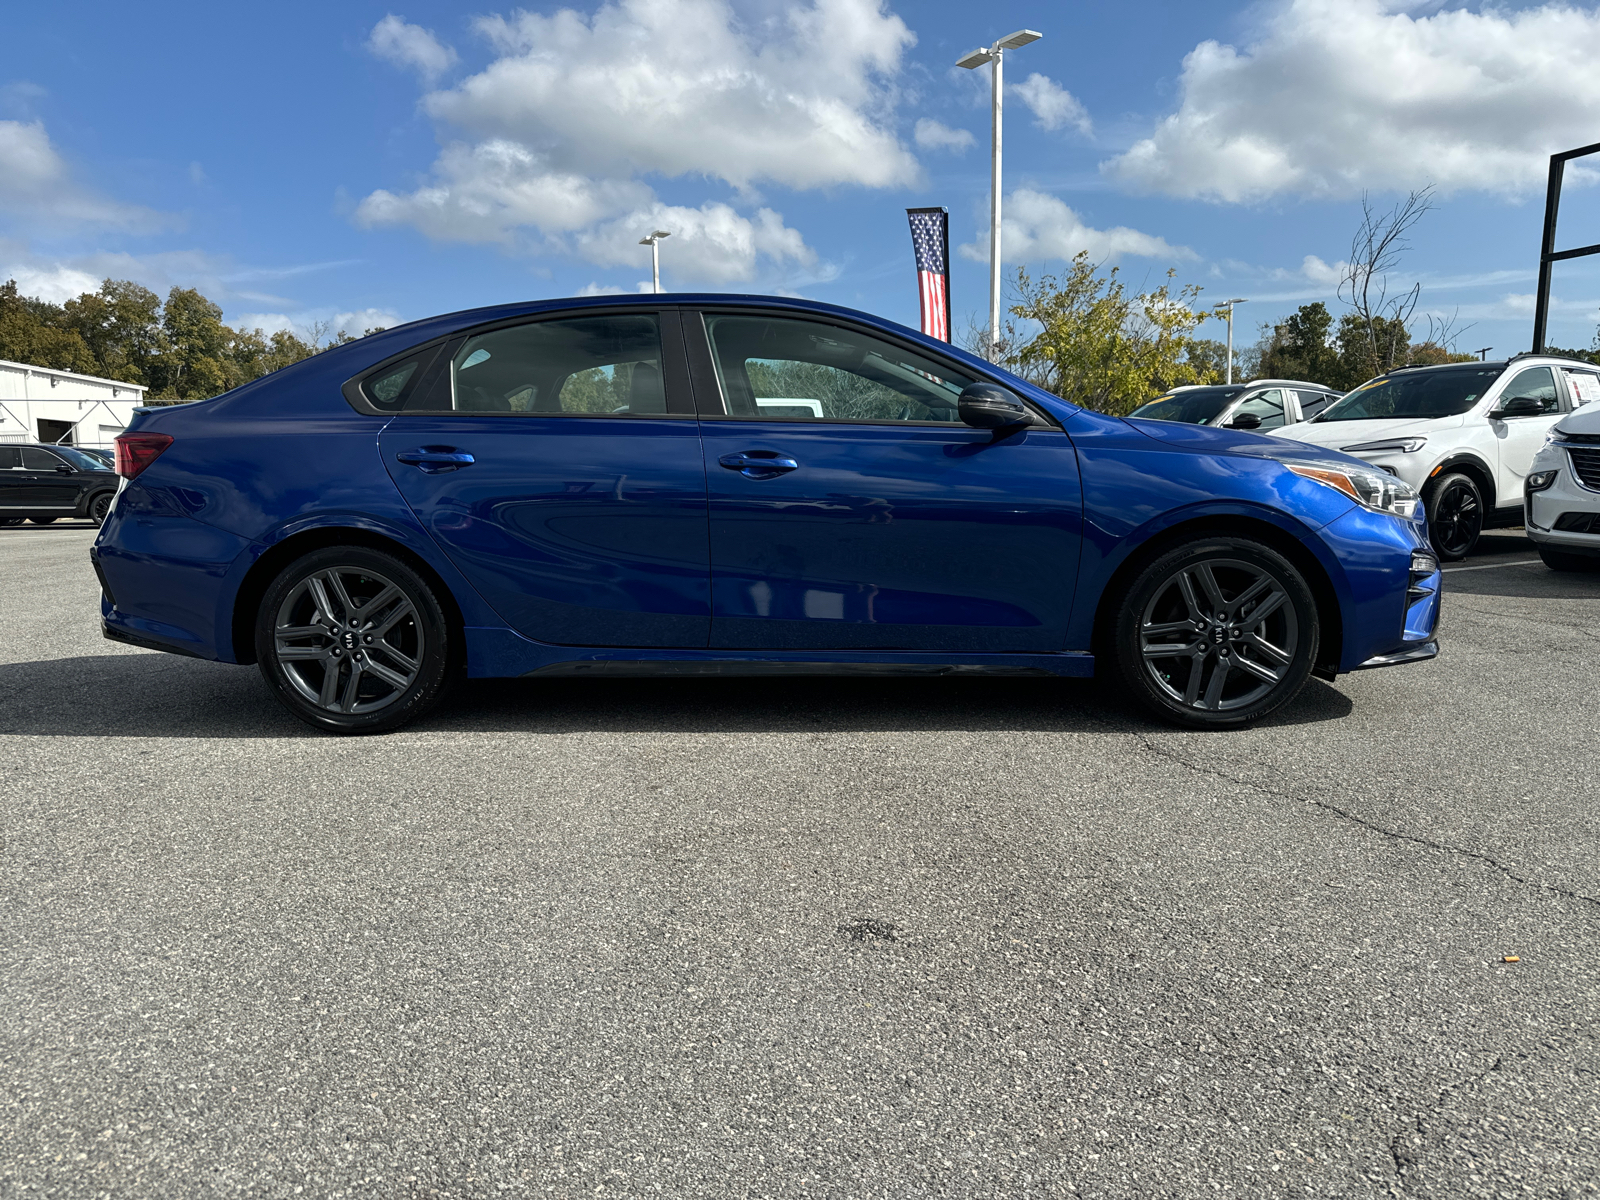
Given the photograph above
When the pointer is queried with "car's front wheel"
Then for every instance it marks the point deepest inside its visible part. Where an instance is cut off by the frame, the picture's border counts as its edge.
(1217, 633)
(1561, 560)
(1455, 516)
(352, 640)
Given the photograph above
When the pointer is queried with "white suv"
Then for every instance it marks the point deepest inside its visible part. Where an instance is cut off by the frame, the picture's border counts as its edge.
(1463, 434)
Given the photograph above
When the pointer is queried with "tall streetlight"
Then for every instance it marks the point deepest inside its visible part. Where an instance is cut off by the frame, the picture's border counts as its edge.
(1227, 316)
(995, 55)
(654, 242)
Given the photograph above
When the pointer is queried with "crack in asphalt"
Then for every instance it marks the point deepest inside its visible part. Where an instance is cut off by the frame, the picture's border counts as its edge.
(1403, 1159)
(1346, 814)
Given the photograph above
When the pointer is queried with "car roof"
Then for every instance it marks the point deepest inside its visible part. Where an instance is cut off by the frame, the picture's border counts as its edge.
(1294, 383)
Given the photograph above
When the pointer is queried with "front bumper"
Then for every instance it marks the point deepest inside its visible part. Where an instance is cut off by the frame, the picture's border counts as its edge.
(1420, 653)
(1565, 515)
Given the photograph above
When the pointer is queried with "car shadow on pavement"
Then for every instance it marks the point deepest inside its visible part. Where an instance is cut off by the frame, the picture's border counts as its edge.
(159, 695)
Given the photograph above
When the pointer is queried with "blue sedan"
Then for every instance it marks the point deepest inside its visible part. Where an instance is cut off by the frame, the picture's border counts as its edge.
(699, 485)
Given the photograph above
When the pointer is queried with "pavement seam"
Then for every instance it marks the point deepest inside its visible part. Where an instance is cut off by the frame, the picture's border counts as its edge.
(1346, 814)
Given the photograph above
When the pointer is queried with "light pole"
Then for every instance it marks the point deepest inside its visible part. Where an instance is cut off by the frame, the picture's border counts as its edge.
(654, 242)
(995, 55)
(1227, 316)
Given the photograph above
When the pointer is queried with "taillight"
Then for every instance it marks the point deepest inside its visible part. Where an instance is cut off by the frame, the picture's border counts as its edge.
(136, 451)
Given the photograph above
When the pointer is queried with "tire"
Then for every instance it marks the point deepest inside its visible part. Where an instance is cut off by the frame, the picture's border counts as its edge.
(339, 669)
(1228, 667)
(1455, 516)
(41, 520)
(1562, 560)
(100, 507)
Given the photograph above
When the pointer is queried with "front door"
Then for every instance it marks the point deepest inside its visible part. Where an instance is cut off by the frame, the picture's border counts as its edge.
(557, 463)
(1520, 438)
(38, 481)
(851, 509)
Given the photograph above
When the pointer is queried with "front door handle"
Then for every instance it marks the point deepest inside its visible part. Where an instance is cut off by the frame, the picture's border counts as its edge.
(759, 464)
(434, 459)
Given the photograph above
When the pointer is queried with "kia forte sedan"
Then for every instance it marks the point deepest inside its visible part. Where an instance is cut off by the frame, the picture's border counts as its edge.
(729, 485)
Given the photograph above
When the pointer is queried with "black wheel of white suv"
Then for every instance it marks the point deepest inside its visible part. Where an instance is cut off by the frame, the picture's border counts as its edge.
(1217, 633)
(1455, 515)
(352, 640)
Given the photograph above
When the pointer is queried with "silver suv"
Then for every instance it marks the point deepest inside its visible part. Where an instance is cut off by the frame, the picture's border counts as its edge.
(1260, 404)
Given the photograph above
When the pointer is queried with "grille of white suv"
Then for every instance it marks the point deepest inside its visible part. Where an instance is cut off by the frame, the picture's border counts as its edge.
(1586, 465)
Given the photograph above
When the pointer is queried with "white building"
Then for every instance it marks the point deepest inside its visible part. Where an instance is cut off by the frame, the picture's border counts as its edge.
(40, 404)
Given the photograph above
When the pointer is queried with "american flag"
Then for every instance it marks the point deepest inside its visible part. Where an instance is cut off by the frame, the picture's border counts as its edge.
(930, 236)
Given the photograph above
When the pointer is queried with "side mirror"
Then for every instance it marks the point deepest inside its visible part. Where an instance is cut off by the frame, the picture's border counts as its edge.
(63, 469)
(1518, 406)
(1245, 421)
(990, 406)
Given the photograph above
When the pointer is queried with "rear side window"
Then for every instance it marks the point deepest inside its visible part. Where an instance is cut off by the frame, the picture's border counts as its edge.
(391, 387)
(1311, 403)
(602, 366)
(10, 458)
(1584, 386)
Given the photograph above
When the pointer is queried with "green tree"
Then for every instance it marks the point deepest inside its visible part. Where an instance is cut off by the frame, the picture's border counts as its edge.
(1300, 348)
(1098, 344)
(194, 339)
(30, 332)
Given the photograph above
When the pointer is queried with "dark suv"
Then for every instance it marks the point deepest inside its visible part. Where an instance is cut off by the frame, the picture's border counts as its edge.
(42, 483)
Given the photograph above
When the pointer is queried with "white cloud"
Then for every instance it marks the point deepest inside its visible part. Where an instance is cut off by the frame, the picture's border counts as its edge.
(1317, 271)
(1037, 226)
(35, 183)
(1340, 95)
(411, 46)
(323, 321)
(931, 135)
(1053, 106)
(547, 148)
(710, 244)
(57, 283)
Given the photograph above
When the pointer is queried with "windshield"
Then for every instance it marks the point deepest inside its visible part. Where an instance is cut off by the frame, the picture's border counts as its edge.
(1193, 406)
(1414, 394)
(84, 462)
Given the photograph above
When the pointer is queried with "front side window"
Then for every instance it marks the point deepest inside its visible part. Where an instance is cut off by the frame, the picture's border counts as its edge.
(1536, 383)
(1267, 407)
(779, 368)
(1419, 395)
(582, 366)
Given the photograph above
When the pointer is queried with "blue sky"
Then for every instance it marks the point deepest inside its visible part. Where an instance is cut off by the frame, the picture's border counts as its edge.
(364, 163)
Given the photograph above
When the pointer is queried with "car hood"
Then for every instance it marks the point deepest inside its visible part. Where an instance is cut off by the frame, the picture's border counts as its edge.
(1585, 420)
(1210, 440)
(1353, 433)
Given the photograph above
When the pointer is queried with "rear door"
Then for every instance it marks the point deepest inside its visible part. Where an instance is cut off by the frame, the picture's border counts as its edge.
(557, 463)
(851, 509)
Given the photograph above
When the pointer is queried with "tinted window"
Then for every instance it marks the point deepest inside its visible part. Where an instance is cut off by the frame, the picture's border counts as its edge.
(593, 366)
(10, 458)
(1192, 406)
(387, 390)
(84, 462)
(1268, 407)
(35, 459)
(1312, 403)
(1416, 394)
(783, 369)
(1535, 383)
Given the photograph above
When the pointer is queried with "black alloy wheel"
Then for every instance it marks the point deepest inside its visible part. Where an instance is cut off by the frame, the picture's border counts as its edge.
(353, 640)
(1217, 634)
(100, 507)
(1455, 516)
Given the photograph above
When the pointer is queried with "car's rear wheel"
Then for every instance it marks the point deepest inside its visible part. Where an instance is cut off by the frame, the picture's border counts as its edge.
(100, 506)
(1217, 633)
(1561, 560)
(1455, 516)
(352, 640)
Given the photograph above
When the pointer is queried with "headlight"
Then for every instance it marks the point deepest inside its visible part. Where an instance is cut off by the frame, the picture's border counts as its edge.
(1405, 445)
(1374, 489)
(1537, 481)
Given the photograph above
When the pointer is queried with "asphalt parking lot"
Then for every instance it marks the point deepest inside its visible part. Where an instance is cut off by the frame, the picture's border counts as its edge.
(801, 938)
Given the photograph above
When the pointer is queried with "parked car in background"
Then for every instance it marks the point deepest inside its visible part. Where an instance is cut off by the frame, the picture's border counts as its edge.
(43, 483)
(737, 485)
(1463, 434)
(1561, 496)
(105, 456)
(1263, 404)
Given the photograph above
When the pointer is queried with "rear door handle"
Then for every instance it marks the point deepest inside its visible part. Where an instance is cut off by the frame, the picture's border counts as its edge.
(434, 459)
(759, 464)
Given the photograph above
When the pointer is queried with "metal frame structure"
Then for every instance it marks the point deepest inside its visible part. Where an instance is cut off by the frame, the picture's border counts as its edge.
(1548, 254)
